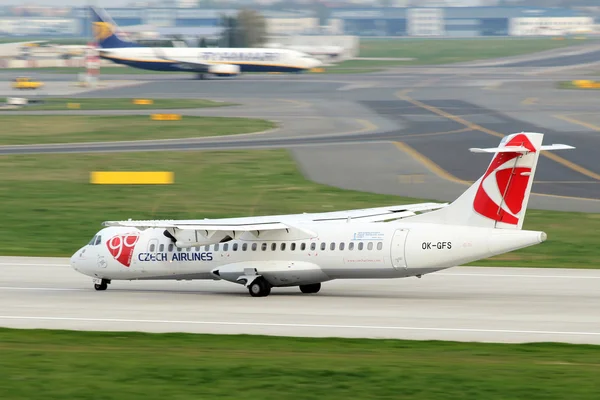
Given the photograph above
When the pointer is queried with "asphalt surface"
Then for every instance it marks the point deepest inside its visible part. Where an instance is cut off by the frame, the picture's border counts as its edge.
(463, 304)
(437, 111)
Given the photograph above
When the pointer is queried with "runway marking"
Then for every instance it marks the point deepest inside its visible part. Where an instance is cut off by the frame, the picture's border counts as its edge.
(292, 325)
(443, 174)
(19, 264)
(578, 122)
(297, 103)
(476, 127)
(37, 288)
(517, 275)
(430, 165)
(530, 101)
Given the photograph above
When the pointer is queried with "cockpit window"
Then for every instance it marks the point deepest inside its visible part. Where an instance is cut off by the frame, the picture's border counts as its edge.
(93, 241)
(98, 239)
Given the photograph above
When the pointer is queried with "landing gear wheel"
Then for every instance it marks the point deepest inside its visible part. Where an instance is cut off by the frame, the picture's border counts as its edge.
(259, 288)
(102, 285)
(313, 288)
(201, 76)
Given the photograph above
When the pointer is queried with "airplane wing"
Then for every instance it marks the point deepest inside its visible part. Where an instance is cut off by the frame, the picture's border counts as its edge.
(377, 214)
(186, 233)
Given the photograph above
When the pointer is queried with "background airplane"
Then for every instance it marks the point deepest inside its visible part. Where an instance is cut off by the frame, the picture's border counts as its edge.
(307, 249)
(215, 61)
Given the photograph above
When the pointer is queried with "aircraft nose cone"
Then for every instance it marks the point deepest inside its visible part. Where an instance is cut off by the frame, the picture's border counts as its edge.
(76, 259)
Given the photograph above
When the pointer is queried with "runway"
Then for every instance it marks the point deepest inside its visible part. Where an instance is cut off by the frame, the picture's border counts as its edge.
(463, 304)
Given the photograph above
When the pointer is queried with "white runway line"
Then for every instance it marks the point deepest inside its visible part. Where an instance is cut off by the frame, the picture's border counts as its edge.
(515, 276)
(285, 325)
(39, 288)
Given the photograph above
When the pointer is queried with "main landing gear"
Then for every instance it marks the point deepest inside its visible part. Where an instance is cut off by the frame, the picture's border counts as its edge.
(313, 288)
(259, 288)
(101, 284)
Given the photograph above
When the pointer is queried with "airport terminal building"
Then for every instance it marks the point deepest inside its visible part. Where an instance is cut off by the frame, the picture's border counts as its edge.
(392, 21)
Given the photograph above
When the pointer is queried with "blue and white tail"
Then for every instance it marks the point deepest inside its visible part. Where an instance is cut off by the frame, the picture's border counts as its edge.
(499, 198)
(106, 32)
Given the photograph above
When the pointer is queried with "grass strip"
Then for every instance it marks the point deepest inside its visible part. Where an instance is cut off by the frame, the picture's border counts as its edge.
(42, 129)
(120, 104)
(52, 210)
(123, 365)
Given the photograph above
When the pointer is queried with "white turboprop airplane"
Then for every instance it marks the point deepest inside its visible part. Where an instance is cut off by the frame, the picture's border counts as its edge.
(203, 61)
(307, 249)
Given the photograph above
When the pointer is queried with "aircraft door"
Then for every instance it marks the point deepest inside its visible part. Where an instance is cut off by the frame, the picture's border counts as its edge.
(397, 249)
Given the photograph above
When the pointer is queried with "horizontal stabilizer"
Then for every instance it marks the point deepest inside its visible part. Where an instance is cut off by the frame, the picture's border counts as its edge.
(520, 149)
(551, 147)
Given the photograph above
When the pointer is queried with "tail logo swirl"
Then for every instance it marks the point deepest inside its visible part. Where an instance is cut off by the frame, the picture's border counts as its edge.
(502, 189)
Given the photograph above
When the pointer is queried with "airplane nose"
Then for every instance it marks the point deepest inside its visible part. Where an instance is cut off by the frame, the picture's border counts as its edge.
(76, 259)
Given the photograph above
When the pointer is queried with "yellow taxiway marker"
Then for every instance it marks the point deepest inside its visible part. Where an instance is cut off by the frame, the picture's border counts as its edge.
(143, 102)
(165, 117)
(131, 178)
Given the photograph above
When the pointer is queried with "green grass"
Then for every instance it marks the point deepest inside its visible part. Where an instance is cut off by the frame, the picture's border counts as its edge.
(442, 51)
(37, 129)
(123, 365)
(50, 196)
(123, 104)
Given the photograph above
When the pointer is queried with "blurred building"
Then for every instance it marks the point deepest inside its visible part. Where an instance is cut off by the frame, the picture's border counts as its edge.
(462, 21)
(402, 18)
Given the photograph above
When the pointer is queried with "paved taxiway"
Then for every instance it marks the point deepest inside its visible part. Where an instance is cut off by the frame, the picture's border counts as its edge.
(464, 304)
(427, 116)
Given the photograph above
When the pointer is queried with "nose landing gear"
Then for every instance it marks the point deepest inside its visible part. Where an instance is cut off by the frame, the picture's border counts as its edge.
(101, 284)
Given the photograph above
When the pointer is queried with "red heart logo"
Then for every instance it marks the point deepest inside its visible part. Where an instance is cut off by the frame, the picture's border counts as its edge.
(121, 247)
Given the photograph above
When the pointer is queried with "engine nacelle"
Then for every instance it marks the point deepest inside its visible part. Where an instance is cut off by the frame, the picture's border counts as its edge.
(277, 273)
(224, 69)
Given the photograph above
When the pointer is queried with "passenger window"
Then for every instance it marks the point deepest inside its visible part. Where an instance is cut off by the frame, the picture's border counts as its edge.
(360, 245)
(303, 246)
(292, 246)
(379, 246)
(254, 246)
(370, 246)
(217, 247)
(244, 246)
(351, 246)
(263, 247)
(342, 245)
(171, 247)
(274, 246)
(225, 246)
(98, 239)
(282, 246)
(161, 248)
(235, 247)
(152, 247)
(323, 245)
(188, 249)
(179, 249)
(332, 246)
(313, 246)
(206, 248)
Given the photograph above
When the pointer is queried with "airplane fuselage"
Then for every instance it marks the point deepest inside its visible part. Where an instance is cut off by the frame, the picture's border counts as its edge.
(247, 59)
(338, 251)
